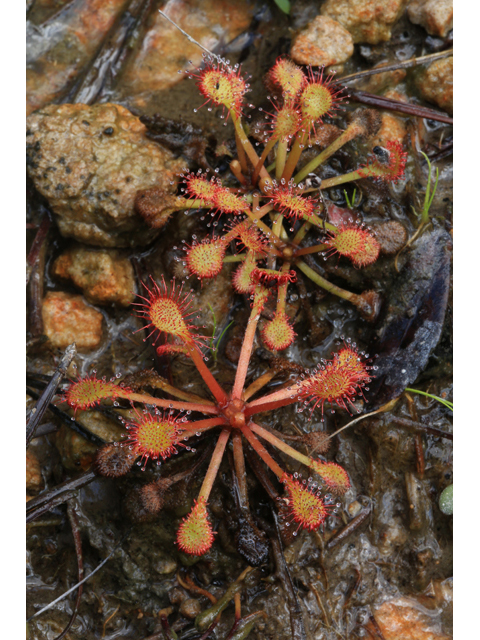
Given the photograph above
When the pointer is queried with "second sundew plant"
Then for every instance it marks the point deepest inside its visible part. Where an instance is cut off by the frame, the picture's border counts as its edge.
(271, 213)
(235, 413)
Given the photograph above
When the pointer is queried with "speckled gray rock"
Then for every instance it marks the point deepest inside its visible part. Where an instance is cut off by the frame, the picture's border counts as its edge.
(323, 42)
(436, 16)
(89, 162)
(367, 20)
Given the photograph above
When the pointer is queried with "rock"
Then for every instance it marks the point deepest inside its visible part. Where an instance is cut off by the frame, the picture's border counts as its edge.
(392, 128)
(190, 608)
(62, 45)
(382, 81)
(34, 480)
(436, 16)
(436, 83)
(392, 537)
(219, 294)
(89, 162)
(323, 42)
(367, 20)
(67, 318)
(105, 276)
(406, 619)
(391, 235)
(165, 50)
(78, 453)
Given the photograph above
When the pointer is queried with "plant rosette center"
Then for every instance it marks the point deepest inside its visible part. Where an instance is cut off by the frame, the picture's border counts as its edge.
(234, 412)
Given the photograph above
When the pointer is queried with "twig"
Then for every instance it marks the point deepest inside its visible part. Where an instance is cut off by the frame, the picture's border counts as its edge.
(296, 618)
(41, 406)
(58, 495)
(76, 586)
(376, 628)
(44, 429)
(70, 421)
(350, 527)
(36, 279)
(396, 105)
(412, 62)
(385, 407)
(443, 153)
(72, 516)
(107, 62)
(38, 243)
(418, 426)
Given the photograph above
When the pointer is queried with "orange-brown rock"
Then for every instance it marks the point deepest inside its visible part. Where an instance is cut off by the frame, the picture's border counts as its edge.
(165, 50)
(323, 42)
(367, 20)
(67, 318)
(34, 480)
(60, 47)
(405, 619)
(105, 276)
(436, 16)
(436, 83)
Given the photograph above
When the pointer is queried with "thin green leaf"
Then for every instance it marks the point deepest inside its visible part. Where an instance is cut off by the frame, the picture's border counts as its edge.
(284, 5)
(447, 403)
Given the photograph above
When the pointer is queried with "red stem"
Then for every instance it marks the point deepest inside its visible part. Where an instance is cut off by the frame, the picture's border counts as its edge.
(277, 399)
(214, 465)
(262, 452)
(167, 404)
(191, 428)
(217, 391)
(246, 351)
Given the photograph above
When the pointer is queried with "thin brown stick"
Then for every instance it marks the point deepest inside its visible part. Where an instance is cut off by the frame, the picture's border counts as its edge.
(396, 105)
(63, 492)
(412, 62)
(350, 527)
(72, 516)
(418, 426)
(36, 414)
(75, 586)
(38, 242)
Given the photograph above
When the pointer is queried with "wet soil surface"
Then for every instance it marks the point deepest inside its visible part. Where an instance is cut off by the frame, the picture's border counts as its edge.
(384, 560)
